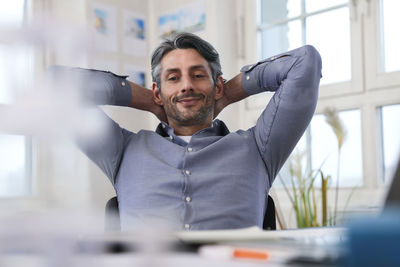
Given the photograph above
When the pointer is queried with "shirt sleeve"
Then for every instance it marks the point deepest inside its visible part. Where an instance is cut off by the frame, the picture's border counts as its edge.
(294, 77)
(95, 87)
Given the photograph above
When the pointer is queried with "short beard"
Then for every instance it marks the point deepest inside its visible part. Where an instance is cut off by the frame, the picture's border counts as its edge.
(195, 119)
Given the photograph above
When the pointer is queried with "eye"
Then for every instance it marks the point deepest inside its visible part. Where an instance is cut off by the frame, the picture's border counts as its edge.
(172, 78)
(199, 76)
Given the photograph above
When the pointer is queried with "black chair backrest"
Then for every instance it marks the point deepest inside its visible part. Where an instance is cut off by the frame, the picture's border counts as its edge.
(112, 220)
(269, 216)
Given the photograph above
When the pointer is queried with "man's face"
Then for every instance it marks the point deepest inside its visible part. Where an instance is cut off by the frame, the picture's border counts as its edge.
(188, 93)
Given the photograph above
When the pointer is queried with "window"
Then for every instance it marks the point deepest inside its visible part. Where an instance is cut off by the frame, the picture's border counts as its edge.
(324, 149)
(11, 15)
(15, 170)
(390, 142)
(381, 44)
(390, 38)
(285, 25)
(15, 153)
(319, 149)
(358, 42)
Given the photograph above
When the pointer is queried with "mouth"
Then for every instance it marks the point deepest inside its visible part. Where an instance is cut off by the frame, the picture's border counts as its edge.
(189, 101)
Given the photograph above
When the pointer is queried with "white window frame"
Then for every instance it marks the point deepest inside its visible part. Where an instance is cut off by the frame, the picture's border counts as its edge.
(375, 78)
(355, 84)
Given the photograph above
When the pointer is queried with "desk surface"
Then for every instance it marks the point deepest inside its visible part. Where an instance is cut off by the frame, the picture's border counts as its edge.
(281, 246)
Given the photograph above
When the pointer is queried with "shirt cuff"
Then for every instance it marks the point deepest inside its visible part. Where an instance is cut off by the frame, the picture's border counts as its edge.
(249, 80)
(267, 74)
(121, 92)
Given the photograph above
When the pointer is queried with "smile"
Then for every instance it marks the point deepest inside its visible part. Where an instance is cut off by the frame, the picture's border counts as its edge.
(189, 101)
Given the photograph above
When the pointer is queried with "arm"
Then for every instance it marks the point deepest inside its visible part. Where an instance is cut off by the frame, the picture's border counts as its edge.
(106, 88)
(95, 87)
(294, 77)
(142, 98)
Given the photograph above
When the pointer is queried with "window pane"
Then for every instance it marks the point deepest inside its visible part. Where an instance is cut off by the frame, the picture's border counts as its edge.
(390, 21)
(324, 148)
(277, 10)
(280, 38)
(14, 178)
(390, 139)
(15, 71)
(333, 42)
(11, 13)
(315, 5)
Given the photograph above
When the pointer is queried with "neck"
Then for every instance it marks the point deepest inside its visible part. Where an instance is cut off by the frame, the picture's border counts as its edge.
(188, 130)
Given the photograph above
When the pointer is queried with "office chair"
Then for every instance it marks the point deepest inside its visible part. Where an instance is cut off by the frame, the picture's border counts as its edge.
(269, 222)
(112, 220)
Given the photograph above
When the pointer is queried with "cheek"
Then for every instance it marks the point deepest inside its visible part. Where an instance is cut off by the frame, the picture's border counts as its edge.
(166, 98)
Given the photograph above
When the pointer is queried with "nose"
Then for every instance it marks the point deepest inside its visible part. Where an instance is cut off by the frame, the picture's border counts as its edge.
(186, 84)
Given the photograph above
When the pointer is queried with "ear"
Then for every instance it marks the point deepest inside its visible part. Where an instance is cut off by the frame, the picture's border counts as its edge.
(219, 88)
(156, 94)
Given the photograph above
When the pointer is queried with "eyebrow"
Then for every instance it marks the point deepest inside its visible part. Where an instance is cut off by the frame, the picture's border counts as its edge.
(191, 68)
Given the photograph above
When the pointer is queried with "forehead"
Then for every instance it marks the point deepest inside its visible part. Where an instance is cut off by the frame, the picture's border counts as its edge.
(183, 59)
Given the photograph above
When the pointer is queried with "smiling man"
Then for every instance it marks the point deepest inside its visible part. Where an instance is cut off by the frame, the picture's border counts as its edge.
(192, 172)
(189, 92)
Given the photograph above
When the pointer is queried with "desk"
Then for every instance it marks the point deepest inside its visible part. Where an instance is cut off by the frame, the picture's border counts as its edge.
(92, 250)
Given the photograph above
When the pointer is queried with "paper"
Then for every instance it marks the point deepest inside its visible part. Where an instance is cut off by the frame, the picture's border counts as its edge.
(134, 34)
(104, 27)
(188, 18)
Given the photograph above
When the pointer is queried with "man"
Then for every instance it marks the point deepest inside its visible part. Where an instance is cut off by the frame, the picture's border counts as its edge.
(192, 172)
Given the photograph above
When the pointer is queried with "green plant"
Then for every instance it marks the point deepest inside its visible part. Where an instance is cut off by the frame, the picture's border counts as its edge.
(302, 192)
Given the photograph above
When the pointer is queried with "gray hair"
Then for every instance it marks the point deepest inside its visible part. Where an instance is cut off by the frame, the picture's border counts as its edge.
(185, 41)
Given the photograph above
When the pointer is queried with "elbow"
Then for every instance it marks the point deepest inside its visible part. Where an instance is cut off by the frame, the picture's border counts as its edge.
(313, 61)
(307, 70)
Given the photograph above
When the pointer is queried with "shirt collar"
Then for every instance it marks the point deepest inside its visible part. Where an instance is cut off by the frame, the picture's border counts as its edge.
(217, 128)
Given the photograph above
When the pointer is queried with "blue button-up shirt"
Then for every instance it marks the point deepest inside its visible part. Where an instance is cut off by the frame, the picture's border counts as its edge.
(220, 179)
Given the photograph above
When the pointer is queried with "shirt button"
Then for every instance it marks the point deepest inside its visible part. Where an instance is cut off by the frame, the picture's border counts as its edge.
(171, 137)
(188, 199)
(247, 77)
(162, 125)
(187, 226)
(190, 149)
(123, 83)
(187, 172)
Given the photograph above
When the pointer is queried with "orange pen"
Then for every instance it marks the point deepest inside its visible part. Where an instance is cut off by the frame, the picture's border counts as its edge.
(250, 254)
(227, 252)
